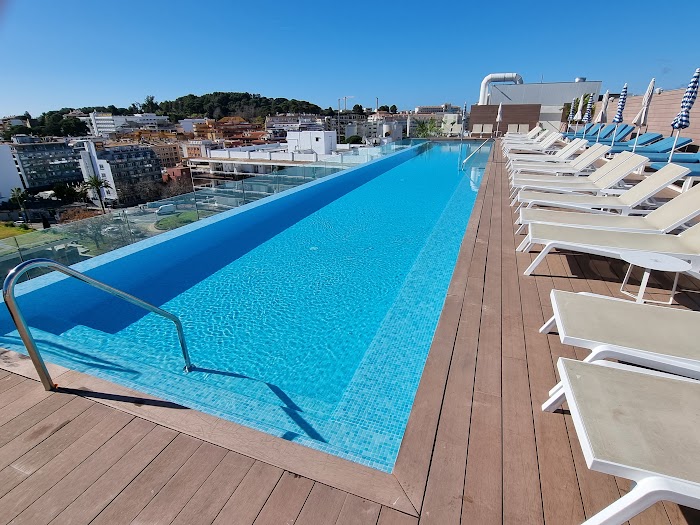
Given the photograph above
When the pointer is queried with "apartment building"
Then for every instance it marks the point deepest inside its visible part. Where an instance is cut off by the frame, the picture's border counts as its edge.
(169, 154)
(41, 165)
(123, 167)
(105, 124)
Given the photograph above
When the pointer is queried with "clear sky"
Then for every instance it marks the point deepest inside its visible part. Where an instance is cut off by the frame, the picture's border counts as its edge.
(72, 53)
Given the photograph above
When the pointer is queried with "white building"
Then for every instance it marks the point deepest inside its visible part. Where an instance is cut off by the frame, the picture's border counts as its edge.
(9, 175)
(187, 124)
(91, 166)
(442, 108)
(319, 142)
(104, 124)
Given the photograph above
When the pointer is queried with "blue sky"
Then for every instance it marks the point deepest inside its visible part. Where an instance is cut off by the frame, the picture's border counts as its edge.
(71, 53)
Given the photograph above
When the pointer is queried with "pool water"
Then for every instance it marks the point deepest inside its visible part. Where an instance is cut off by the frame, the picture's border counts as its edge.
(318, 335)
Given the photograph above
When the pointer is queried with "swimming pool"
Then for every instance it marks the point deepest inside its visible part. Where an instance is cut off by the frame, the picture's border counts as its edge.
(308, 315)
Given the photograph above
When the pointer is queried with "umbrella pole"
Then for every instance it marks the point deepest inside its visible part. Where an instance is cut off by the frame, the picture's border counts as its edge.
(597, 137)
(613, 139)
(675, 140)
(635, 139)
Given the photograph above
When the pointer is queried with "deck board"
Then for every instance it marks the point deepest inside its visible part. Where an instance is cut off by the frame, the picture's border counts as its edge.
(477, 448)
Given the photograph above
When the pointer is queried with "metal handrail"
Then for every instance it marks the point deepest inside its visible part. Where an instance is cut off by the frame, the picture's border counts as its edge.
(8, 288)
(474, 152)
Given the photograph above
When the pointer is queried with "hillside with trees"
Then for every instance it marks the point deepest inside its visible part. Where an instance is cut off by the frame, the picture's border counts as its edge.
(212, 105)
(230, 104)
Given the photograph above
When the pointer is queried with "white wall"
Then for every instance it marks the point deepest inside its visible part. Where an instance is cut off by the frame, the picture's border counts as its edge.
(9, 177)
(320, 142)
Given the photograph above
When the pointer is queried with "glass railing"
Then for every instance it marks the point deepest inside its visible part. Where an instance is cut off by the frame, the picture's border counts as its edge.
(77, 241)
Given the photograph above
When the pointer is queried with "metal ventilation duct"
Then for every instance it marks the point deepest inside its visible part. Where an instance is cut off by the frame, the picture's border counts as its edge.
(496, 77)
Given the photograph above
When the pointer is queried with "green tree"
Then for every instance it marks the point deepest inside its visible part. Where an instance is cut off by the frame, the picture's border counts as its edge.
(17, 130)
(383, 108)
(427, 128)
(353, 139)
(73, 127)
(358, 109)
(393, 109)
(20, 196)
(96, 184)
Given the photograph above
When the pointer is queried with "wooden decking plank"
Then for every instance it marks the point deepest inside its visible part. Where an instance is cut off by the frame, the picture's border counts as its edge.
(10, 380)
(42, 430)
(37, 457)
(182, 486)
(322, 506)
(127, 505)
(358, 511)
(98, 495)
(413, 461)
(522, 499)
(561, 500)
(22, 404)
(211, 497)
(31, 417)
(286, 501)
(16, 392)
(23, 495)
(444, 489)
(483, 488)
(251, 494)
(58, 497)
(597, 490)
(389, 516)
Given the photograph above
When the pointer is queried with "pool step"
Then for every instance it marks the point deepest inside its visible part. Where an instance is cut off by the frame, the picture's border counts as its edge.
(320, 430)
(172, 361)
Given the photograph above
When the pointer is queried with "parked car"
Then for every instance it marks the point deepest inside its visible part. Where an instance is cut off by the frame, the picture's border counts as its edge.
(166, 209)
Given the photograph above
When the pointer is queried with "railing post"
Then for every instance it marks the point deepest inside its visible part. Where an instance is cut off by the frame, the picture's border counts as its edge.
(22, 328)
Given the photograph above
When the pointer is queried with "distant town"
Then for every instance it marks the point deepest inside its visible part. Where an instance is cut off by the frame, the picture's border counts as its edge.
(118, 157)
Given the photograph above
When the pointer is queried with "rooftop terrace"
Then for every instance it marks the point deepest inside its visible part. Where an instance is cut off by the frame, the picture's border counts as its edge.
(477, 448)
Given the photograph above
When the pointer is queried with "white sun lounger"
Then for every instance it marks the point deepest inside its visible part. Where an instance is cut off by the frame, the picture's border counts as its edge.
(564, 153)
(661, 338)
(640, 425)
(611, 244)
(625, 202)
(607, 176)
(536, 133)
(528, 135)
(563, 167)
(544, 145)
(665, 218)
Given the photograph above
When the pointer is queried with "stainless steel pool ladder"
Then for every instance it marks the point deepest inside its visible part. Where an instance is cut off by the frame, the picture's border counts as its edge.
(11, 302)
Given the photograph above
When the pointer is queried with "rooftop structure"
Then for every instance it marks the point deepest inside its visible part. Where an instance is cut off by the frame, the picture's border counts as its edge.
(442, 108)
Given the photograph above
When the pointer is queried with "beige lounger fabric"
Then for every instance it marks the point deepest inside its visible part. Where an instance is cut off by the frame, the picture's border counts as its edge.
(601, 320)
(639, 420)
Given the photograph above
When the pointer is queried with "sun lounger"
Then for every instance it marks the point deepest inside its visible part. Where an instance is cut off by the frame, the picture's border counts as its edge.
(659, 151)
(563, 167)
(579, 133)
(564, 153)
(624, 203)
(611, 244)
(540, 147)
(644, 140)
(617, 329)
(640, 425)
(623, 131)
(607, 176)
(665, 218)
(527, 135)
(605, 132)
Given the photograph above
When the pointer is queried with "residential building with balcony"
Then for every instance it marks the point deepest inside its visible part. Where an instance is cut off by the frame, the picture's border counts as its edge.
(123, 167)
(169, 154)
(41, 165)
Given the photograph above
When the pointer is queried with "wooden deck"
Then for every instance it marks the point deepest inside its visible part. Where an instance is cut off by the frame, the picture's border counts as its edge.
(477, 450)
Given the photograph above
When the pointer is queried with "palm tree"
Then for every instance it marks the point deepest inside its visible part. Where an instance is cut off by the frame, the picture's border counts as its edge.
(427, 128)
(96, 184)
(20, 197)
